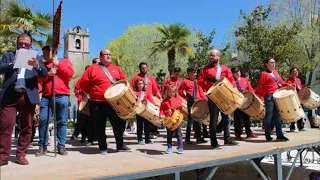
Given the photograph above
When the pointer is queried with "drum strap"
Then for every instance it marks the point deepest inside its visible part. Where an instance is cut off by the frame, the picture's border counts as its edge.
(298, 85)
(143, 93)
(178, 84)
(276, 79)
(146, 81)
(239, 87)
(218, 74)
(105, 70)
(194, 90)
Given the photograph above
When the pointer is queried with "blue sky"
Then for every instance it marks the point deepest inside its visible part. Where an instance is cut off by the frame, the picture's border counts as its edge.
(107, 20)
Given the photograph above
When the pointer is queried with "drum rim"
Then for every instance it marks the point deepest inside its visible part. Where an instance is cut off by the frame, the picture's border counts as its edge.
(283, 88)
(199, 100)
(127, 86)
(217, 82)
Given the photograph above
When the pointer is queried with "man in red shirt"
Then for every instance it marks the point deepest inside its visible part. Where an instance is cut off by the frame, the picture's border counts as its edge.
(208, 76)
(151, 88)
(190, 90)
(174, 79)
(95, 81)
(240, 117)
(269, 82)
(62, 71)
(295, 82)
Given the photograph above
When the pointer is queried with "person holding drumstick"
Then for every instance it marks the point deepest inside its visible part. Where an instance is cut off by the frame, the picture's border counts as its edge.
(208, 76)
(190, 90)
(296, 82)
(269, 82)
(142, 123)
(172, 102)
(240, 117)
(95, 81)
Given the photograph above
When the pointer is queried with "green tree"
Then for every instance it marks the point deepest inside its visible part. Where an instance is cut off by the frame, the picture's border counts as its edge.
(259, 40)
(174, 40)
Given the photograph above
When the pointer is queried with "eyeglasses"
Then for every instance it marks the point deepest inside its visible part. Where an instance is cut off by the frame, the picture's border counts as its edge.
(108, 54)
(22, 44)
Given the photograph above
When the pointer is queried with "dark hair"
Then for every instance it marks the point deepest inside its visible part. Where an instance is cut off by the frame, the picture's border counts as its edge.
(267, 60)
(191, 69)
(46, 48)
(25, 35)
(86, 67)
(142, 63)
(94, 60)
(234, 70)
(177, 69)
(245, 74)
(293, 68)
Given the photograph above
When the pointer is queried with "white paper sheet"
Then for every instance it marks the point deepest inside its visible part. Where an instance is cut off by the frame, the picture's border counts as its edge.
(22, 57)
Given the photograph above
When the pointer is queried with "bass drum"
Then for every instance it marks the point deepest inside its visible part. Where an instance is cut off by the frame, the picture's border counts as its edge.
(200, 112)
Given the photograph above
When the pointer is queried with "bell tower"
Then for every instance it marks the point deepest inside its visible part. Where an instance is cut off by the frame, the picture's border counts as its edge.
(76, 48)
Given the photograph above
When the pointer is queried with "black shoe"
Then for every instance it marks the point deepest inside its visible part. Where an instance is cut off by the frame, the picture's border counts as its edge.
(269, 138)
(188, 141)
(230, 142)
(124, 148)
(148, 141)
(62, 151)
(216, 146)
(282, 138)
(206, 135)
(82, 141)
(201, 140)
(41, 152)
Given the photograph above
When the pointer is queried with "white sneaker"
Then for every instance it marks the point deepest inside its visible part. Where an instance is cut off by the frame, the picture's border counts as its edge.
(125, 133)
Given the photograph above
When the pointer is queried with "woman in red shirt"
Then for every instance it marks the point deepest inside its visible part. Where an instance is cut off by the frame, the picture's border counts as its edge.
(172, 102)
(139, 88)
(269, 82)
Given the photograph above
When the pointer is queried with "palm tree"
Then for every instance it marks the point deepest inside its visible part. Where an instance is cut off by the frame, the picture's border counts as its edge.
(18, 19)
(174, 40)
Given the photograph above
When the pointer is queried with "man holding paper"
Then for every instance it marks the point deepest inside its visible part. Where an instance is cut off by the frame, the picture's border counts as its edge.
(19, 94)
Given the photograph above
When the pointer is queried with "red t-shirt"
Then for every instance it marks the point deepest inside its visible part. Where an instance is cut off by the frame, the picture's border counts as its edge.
(187, 86)
(244, 84)
(296, 82)
(173, 103)
(172, 81)
(147, 96)
(152, 87)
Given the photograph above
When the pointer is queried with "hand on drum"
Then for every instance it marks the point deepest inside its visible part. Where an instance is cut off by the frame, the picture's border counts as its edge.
(169, 112)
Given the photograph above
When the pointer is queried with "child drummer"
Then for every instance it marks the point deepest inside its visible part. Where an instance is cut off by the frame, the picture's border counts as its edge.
(171, 103)
(139, 88)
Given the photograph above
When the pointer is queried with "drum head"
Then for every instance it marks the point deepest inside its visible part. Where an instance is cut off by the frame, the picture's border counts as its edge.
(304, 94)
(248, 98)
(283, 92)
(200, 109)
(116, 89)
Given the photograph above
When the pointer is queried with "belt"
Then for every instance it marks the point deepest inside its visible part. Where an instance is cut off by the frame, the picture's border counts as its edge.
(20, 90)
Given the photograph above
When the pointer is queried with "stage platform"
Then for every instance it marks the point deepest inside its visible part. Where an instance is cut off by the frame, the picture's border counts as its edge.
(150, 160)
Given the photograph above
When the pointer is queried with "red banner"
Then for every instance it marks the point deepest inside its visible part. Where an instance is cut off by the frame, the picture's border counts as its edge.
(57, 27)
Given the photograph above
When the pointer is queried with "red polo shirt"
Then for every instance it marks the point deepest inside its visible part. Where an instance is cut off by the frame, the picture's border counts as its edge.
(295, 82)
(79, 93)
(267, 85)
(245, 84)
(172, 81)
(152, 87)
(210, 71)
(95, 82)
(173, 103)
(147, 96)
(187, 86)
(62, 78)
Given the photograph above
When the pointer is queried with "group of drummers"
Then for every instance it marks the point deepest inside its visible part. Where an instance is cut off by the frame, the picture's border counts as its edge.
(213, 95)
(207, 97)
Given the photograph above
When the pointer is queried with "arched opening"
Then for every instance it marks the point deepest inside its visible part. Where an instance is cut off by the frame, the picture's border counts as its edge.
(78, 44)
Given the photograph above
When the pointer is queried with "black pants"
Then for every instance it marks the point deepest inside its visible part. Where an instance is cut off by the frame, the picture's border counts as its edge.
(101, 111)
(80, 125)
(300, 124)
(178, 135)
(90, 127)
(153, 128)
(225, 121)
(191, 121)
(143, 124)
(239, 118)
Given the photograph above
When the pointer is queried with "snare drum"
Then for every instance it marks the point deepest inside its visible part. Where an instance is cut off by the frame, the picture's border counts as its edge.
(174, 121)
(225, 96)
(84, 106)
(149, 112)
(184, 108)
(253, 106)
(123, 99)
(288, 104)
(308, 98)
(200, 112)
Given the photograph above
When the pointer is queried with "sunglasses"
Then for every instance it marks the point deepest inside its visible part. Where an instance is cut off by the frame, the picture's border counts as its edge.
(26, 45)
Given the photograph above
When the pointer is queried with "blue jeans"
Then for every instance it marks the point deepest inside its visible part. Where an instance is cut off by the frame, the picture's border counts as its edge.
(191, 121)
(62, 105)
(272, 117)
(178, 135)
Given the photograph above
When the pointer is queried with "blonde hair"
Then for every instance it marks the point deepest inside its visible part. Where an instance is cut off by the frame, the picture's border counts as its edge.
(171, 87)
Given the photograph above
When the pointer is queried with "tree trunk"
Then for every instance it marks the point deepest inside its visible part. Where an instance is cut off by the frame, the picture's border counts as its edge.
(171, 60)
